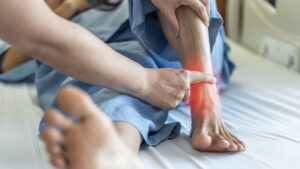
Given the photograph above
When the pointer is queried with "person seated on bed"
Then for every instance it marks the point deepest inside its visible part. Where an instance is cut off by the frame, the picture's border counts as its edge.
(190, 39)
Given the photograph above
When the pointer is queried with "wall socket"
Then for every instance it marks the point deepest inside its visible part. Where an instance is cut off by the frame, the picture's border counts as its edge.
(282, 52)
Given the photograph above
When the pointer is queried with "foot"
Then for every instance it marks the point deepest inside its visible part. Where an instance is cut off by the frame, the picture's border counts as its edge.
(91, 143)
(79, 5)
(209, 132)
(53, 3)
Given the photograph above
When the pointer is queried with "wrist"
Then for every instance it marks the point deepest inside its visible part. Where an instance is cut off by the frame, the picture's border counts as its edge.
(140, 89)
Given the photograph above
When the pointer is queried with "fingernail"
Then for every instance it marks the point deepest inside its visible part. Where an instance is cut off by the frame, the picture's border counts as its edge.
(175, 33)
(213, 80)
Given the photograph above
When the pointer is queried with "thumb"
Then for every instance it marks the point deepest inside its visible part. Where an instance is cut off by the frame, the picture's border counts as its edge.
(198, 77)
(173, 22)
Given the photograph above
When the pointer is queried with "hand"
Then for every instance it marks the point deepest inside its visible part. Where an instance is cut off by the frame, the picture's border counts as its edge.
(166, 88)
(168, 8)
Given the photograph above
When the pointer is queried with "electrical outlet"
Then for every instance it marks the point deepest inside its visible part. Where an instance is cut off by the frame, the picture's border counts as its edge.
(281, 52)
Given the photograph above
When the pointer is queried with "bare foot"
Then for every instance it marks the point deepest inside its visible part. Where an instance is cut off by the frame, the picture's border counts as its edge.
(79, 5)
(209, 132)
(91, 143)
(53, 3)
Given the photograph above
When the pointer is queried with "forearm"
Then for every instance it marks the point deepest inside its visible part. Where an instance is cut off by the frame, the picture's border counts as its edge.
(67, 47)
(14, 57)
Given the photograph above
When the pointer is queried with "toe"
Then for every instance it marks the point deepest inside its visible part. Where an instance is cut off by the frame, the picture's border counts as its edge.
(54, 149)
(78, 103)
(201, 142)
(233, 147)
(222, 144)
(52, 136)
(241, 145)
(58, 161)
(75, 101)
(233, 143)
(55, 118)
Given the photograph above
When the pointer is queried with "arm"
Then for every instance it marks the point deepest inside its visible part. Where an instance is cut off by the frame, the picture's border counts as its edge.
(74, 51)
(13, 57)
(66, 46)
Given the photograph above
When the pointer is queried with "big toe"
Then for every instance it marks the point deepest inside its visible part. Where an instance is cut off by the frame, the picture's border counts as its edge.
(209, 143)
(75, 101)
(201, 142)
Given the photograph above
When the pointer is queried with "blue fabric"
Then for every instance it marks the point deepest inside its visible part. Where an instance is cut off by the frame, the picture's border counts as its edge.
(137, 35)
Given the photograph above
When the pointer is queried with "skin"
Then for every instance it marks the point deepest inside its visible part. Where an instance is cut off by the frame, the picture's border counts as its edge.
(73, 47)
(168, 8)
(209, 132)
(91, 143)
(65, 9)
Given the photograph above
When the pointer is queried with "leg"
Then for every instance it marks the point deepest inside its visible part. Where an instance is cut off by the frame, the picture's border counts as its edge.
(130, 135)
(209, 132)
(91, 143)
(13, 58)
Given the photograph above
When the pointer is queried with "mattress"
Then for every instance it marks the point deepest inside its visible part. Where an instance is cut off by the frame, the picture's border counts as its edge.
(261, 107)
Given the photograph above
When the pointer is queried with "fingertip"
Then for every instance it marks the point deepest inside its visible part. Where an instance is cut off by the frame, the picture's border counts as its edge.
(173, 22)
(175, 30)
(213, 80)
(176, 33)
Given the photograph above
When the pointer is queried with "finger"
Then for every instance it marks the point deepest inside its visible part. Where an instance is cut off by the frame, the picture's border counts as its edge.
(196, 77)
(206, 3)
(200, 9)
(173, 22)
(187, 95)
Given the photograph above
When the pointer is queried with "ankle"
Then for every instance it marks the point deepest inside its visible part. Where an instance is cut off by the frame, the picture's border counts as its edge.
(204, 97)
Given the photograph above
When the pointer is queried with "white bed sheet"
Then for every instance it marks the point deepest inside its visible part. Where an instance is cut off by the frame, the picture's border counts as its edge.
(262, 107)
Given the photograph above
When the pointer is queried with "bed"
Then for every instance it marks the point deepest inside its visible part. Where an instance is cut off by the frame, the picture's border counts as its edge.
(261, 107)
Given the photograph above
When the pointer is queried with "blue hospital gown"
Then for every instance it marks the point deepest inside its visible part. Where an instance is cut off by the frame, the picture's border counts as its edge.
(135, 33)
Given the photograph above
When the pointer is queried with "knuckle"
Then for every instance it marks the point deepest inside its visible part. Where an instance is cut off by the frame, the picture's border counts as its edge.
(183, 73)
(171, 106)
(202, 8)
(187, 87)
(205, 2)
